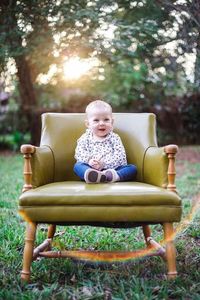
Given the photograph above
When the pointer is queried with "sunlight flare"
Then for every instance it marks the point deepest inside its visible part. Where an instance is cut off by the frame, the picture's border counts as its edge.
(75, 68)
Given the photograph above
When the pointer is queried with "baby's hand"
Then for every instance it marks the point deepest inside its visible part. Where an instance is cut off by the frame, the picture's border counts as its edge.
(101, 164)
(96, 164)
(93, 163)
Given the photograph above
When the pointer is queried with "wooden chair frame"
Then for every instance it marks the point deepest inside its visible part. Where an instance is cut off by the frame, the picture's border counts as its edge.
(167, 253)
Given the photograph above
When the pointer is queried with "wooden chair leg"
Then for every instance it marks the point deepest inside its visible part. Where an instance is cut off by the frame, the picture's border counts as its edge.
(28, 250)
(147, 235)
(51, 231)
(170, 250)
(50, 234)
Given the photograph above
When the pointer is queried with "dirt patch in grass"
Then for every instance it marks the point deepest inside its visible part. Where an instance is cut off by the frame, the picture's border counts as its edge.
(189, 153)
(8, 152)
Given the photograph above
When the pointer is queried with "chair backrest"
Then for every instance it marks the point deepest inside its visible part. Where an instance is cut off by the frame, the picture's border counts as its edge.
(60, 132)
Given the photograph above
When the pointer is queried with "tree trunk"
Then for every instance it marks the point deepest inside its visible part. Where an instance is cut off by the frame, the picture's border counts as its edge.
(28, 105)
(197, 64)
(28, 101)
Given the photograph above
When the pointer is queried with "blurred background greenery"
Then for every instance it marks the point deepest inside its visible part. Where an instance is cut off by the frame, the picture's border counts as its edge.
(141, 56)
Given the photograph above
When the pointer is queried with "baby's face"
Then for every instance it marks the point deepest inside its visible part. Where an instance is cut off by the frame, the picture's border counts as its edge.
(100, 123)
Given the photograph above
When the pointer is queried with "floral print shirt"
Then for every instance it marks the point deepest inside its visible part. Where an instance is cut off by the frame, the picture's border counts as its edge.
(110, 150)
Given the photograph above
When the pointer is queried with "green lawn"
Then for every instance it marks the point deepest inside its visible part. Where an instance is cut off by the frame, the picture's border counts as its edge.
(65, 279)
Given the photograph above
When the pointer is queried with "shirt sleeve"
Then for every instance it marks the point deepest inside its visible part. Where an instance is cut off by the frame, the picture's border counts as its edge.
(117, 157)
(82, 153)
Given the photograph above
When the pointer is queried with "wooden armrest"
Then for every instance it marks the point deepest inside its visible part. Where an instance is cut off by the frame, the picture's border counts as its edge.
(171, 151)
(27, 150)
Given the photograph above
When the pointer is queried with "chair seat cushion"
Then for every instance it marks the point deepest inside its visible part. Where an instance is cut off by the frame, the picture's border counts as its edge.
(77, 201)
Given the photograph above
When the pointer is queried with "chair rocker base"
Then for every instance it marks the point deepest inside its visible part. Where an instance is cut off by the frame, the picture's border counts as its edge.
(167, 253)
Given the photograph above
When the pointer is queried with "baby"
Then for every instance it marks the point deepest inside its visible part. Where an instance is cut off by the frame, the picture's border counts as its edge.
(100, 153)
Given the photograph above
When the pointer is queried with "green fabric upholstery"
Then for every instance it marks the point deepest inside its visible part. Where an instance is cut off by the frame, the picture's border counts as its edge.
(42, 163)
(59, 196)
(155, 166)
(121, 201)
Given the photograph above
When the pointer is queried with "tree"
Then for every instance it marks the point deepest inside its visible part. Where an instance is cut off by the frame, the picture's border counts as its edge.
(136, 61)
(27, 33)
(187, 19)
(17, 17)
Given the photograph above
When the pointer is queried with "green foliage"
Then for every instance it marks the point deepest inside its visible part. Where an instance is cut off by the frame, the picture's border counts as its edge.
(14, 140)
(65, 279)
(190, 110)
(182, 114)
(29, 29)
(123, 84)
(13, 128)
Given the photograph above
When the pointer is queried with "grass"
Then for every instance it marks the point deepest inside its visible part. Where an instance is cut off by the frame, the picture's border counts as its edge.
(65, 279)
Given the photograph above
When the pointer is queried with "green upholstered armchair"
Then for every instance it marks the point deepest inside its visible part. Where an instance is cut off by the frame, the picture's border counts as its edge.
(52, 193)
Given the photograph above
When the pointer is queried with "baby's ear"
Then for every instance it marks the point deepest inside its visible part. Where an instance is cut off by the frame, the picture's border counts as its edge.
(86, 123)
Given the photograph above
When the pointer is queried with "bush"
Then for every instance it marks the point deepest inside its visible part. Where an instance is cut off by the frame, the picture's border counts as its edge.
(178, 119)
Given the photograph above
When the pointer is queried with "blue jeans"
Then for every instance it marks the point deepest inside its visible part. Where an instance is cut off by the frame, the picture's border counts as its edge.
(125, 173)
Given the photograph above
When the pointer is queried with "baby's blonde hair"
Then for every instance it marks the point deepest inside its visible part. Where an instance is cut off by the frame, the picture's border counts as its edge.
(98, 104)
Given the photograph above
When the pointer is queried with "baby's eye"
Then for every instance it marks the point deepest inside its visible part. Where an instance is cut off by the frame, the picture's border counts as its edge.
(95, 120)
(107, 120)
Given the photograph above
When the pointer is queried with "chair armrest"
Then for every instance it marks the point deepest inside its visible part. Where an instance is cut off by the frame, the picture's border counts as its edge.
(159, 166)
(38, 166)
